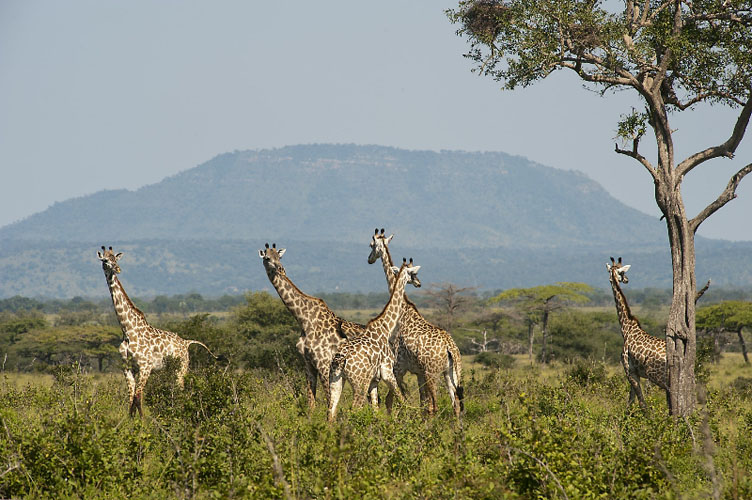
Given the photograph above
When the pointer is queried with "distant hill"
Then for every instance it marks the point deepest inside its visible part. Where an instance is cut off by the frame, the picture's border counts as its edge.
(484, 219)
(335, 193)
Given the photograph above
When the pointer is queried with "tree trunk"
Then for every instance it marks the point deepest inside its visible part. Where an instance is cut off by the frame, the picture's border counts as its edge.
(744, 346)
(717, 345)
(530, 326)
(544, 327)
(680, 330)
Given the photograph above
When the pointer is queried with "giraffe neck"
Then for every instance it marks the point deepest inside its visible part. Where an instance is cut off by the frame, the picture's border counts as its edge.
(385, 324)
(626, 320)
(128, 315)
(386, 263)
(290, 294)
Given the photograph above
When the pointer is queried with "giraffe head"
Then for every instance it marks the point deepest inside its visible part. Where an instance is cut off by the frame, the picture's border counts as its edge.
(411, 272)
(378, 244)
(618, 271)
(271, 257)
(109, 261)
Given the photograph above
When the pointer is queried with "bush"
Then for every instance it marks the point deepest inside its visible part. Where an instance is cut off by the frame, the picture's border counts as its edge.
(495, 360)
(587, 372)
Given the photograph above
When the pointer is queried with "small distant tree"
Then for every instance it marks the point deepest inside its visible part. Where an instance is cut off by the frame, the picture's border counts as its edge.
(485, 344)
(731, 316)
(540, 301)
(449, 300)
(671, 55)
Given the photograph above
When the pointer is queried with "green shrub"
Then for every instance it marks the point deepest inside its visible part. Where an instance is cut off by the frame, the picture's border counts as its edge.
(495, 360)
(587, 372)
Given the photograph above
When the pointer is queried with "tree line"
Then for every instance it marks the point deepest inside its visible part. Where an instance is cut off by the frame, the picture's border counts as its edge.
(558, 322)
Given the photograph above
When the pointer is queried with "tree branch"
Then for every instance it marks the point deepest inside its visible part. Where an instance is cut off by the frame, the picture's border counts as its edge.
(727, 195)
(637, 156)
(727, 148)
(702, 291)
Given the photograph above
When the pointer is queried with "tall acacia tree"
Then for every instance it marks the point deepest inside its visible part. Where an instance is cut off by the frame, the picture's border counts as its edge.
(539, 302)
(674, 54)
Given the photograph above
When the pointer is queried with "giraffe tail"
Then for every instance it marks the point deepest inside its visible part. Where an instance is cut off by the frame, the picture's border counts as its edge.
(456, 368)
(204, 346)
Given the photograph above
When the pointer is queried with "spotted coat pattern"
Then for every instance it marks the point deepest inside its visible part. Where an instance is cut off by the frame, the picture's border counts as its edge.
(642, 355)
(143, 345)
(323, 331)
(423, 349)
(370, 357)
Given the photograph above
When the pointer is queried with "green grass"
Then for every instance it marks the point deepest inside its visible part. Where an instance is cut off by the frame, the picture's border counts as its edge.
(528, 432)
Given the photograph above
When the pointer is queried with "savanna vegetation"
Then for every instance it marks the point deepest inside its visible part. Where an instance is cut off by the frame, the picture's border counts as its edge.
(241, 427)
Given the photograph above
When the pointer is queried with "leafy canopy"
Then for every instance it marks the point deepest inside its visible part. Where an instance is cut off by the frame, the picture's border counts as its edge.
(546, 296)
(729, 315)
(674, 53)
(521, 41)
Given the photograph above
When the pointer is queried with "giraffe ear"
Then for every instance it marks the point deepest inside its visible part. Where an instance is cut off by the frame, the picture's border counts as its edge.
(624, 269)
(99, 254)
(389, 239)
(414, 269)
(119, 254)
(281, 252)
(608, 266)
(395, 269)
(261, 254)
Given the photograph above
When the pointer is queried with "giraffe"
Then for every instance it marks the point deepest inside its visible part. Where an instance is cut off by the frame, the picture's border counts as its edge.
(323, 331)
(369, 357)
(642, 355)
(147, 346)
(423, 349)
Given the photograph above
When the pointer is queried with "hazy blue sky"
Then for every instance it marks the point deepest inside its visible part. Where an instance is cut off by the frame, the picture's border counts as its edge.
(103, 95)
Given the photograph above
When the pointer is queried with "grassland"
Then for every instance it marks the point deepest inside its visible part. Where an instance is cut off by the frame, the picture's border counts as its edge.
(528, 431)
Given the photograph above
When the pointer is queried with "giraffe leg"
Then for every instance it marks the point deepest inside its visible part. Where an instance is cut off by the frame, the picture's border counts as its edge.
(311, 379)
(129, 379)
(323, 368)
(184, 361)
(373, 393)
(431, 394)
(634, 383)
(359, 395)
(399, 376)
(638, 390)
(336, 383)
(387, 374)
(422, 389)
(143, 375)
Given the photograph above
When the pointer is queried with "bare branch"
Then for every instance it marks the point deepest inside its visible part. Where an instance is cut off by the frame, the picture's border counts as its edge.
(727, 148)
(655, 12)
(727, 195)
(637, 156)
(702, 291)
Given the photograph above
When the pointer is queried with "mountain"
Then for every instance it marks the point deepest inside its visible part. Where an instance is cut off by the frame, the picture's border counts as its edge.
(333, 193)
(485, 219)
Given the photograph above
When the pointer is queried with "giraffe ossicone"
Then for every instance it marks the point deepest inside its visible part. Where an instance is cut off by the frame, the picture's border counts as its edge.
(142, 344)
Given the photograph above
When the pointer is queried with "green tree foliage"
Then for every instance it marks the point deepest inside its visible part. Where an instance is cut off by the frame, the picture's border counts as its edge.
(51, 346)
(577, 334)
(537, 304)
(673, 54)
(731, 316)
(270, 331)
